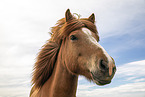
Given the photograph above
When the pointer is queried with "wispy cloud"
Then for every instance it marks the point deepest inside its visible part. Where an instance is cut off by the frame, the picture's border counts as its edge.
(131, 84)
(131, 70)
(23, 30)
(126, 90)
(15, 82)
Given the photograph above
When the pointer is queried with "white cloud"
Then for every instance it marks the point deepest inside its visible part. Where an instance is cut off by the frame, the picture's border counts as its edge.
(132, 72)
(126, 90)
(14, 91)
(30, 18)
(15, 81)
(23, 30)
(140, 80)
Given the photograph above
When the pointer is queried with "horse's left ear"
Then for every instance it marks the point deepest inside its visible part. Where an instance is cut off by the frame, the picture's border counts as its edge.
(92, 18)
(68, 15)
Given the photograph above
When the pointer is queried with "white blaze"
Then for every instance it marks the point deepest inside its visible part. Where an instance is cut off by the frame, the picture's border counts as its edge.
(94, 41)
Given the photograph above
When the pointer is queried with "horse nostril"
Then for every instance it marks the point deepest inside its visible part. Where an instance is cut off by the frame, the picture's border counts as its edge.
(103, 65)
(114, 69)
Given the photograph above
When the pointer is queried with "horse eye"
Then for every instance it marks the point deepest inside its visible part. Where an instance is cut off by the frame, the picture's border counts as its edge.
(73, 37)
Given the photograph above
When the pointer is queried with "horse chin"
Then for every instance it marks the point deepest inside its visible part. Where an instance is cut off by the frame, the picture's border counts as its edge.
(99, 81)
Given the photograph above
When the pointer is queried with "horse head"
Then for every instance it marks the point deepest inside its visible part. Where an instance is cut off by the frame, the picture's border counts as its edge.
(81, 52)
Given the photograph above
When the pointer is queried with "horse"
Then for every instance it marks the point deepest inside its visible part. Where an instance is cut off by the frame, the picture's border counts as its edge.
(72, 50)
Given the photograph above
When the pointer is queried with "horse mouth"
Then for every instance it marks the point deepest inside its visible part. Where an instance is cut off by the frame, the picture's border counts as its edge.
(99, 81)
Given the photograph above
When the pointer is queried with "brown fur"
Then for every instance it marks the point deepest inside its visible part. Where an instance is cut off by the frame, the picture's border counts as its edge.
(60, 60)
(47, 56)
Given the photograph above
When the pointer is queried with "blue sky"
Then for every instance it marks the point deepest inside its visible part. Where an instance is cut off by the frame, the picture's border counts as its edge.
(24, 29)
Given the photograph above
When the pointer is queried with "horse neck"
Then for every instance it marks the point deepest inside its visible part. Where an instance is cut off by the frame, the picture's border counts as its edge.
(61, 83)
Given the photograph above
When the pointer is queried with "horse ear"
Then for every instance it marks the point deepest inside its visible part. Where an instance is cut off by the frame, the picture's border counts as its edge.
(92, 18)
(68, 15)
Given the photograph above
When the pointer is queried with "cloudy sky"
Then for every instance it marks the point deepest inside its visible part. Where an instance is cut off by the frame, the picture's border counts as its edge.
(24, 27)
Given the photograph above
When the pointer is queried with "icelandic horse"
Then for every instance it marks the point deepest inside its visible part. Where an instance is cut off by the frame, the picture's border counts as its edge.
(72, 50)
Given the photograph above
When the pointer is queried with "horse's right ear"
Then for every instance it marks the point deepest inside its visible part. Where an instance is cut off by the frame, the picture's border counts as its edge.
(68, 15)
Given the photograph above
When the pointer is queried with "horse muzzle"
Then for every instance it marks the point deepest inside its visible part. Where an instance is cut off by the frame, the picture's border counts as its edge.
(101, 76)
(100, 80)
